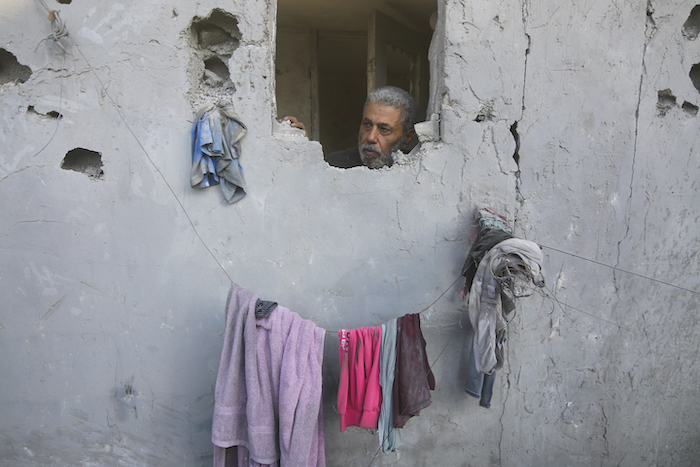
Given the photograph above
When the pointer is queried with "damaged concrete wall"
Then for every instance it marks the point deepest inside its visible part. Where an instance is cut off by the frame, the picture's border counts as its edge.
(613, 131)
(578, 123)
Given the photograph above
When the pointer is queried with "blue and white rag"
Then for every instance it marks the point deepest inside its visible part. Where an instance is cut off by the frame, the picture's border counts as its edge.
(216, 133)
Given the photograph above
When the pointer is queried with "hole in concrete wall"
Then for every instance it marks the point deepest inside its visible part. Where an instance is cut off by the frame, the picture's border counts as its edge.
(217, 33)
(64, 2)
(50, 114)
(11, 70)
(85, 161)
(690, 109)
(216, 72)
(666, 101)
(695, 76)
(213, 40)
(691, 27)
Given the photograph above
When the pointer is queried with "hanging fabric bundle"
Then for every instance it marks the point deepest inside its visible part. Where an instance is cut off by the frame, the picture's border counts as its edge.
(499, 269)
(216, 134)
(485, 301)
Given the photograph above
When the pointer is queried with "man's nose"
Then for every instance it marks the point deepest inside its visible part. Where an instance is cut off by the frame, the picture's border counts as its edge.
(372, 135)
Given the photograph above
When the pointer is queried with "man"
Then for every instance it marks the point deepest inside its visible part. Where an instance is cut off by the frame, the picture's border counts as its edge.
(386, 127)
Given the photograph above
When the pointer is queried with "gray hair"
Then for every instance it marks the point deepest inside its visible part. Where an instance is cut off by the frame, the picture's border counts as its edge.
(398, 99)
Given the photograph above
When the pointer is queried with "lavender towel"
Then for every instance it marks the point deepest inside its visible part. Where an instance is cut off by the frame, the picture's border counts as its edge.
(268, 389)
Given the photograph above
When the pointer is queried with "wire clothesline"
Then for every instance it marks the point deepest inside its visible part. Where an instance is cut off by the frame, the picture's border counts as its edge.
(616, 268)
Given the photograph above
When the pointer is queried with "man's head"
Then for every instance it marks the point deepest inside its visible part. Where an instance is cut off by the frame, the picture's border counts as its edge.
(387, 125)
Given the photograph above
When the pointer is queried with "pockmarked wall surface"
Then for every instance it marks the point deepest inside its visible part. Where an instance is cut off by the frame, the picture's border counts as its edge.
(578, 122)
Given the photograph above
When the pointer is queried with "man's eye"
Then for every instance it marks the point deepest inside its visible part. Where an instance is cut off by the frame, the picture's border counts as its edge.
(385, 131)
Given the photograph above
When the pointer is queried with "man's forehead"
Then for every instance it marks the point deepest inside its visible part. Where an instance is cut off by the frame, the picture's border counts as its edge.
(378, 112)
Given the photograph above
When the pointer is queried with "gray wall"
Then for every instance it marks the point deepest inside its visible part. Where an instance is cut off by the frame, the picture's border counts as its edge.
(114, 287)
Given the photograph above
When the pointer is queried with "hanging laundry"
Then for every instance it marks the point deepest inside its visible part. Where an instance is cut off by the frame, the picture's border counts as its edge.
(263, 308)
(268, 388)
(237, 456)
(508, 281)
(491, 228)
(413, 379)
(479, 385)
(489, 217)
(385, 378)
(359, 392)
(511, 266)
(216, 135)
(390, 438)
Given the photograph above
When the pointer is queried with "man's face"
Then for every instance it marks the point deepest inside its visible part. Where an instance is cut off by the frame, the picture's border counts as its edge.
(381, 133)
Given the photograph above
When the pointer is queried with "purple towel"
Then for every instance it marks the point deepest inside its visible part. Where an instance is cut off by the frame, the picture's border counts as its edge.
(268, 389)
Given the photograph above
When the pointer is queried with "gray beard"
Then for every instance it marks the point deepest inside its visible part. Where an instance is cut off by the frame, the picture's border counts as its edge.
(384, 159)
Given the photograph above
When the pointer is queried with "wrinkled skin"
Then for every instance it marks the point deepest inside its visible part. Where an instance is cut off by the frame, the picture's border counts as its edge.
(381, 133)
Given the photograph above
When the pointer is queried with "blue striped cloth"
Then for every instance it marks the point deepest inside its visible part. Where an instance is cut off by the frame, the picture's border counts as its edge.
(216, 134)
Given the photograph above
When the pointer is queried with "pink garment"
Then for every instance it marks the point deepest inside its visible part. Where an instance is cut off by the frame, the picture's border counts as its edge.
(268, 389)
(359, 392)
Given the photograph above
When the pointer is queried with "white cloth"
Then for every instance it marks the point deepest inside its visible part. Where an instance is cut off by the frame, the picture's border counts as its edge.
(484, 300)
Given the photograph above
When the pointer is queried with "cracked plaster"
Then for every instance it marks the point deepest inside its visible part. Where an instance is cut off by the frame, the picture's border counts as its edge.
(114, 304)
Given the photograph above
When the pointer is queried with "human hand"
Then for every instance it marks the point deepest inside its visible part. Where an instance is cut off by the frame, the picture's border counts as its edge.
(295, 123)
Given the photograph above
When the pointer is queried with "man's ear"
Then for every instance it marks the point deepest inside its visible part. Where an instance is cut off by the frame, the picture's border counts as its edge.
(408, 139)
